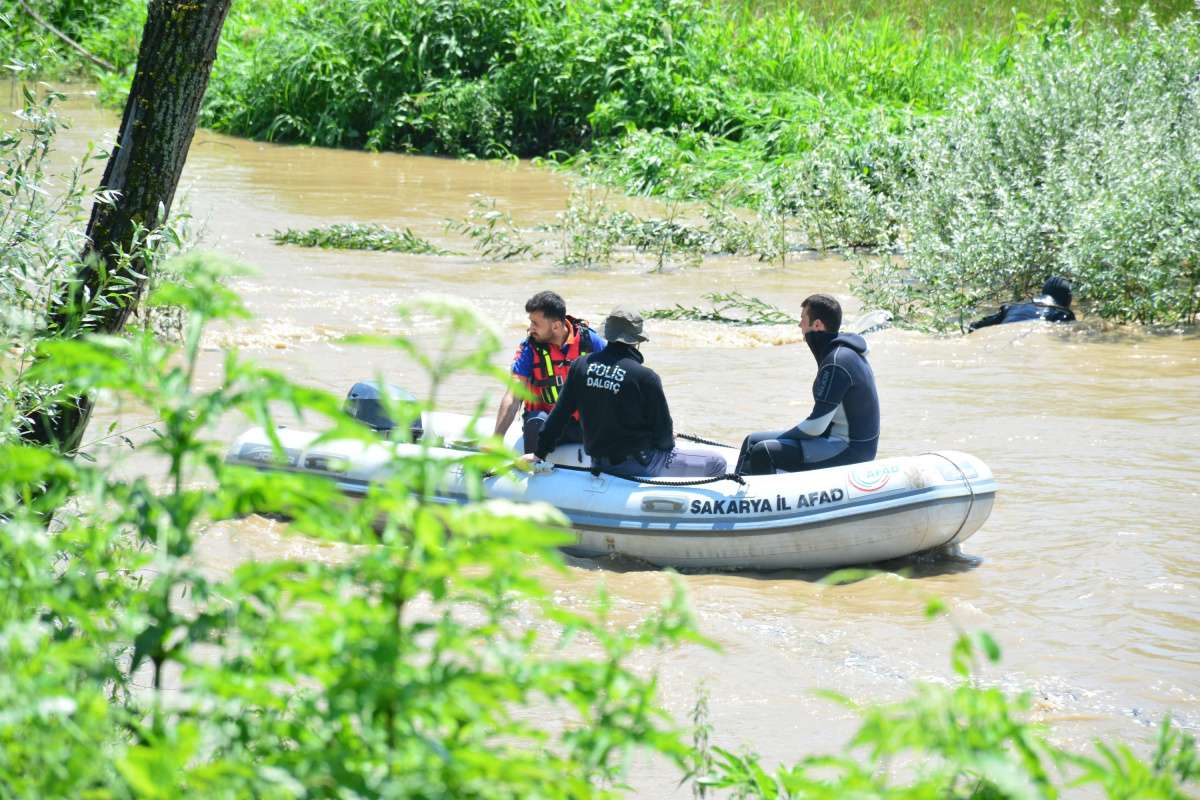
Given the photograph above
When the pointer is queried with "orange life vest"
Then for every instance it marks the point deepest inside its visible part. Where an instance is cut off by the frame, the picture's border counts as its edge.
(552, 363)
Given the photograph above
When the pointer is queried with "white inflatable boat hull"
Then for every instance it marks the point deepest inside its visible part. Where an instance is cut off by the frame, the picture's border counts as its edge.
(842, 516)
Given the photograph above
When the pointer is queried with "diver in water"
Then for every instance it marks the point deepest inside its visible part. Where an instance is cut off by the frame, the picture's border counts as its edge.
(843, 427)
(1053, 306)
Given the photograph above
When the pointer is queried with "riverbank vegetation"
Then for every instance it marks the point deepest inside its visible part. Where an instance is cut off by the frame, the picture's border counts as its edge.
(986, 146)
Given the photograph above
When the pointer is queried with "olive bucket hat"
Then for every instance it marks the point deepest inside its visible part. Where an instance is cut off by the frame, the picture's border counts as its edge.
(624, 325)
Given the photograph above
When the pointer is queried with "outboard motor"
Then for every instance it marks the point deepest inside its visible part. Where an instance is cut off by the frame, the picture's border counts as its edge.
(364, 404)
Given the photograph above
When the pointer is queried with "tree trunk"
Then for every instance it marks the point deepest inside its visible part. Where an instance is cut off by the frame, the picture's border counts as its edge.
(179, 45)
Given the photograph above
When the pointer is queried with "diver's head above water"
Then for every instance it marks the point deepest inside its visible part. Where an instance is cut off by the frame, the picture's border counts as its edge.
(1058, 290)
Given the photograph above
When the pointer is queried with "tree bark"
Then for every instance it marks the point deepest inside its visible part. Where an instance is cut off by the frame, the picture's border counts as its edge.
(179, 45)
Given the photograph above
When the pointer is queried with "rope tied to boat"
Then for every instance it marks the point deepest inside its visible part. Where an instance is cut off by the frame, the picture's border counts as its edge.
(970, 488)
(597, 472)
(701, 440)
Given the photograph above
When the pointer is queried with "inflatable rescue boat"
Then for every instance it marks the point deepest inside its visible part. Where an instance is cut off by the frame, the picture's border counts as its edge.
(841, 516)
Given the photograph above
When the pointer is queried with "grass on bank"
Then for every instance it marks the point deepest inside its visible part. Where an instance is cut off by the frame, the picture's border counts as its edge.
(834, 119)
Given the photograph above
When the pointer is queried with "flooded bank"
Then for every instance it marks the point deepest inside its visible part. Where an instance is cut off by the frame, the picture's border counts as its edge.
(1086, 572)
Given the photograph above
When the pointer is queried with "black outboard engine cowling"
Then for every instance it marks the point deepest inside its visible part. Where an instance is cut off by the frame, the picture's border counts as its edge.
(364, 404)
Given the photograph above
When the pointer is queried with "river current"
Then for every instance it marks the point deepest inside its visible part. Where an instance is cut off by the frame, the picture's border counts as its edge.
(1086, 573)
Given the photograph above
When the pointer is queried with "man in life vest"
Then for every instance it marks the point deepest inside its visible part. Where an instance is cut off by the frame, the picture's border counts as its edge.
(541, 362)
(843, 426)
(1053, 306)
(627, 428)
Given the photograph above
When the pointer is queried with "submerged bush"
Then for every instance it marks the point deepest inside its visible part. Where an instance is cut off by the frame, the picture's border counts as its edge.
(354, 236)
(1083, 162)
(493, 232)
(729, 308)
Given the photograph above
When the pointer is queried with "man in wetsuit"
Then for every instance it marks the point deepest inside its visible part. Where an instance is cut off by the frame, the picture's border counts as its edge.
(1053, 306)
(541, 362)
(843, 427)
(627, 427)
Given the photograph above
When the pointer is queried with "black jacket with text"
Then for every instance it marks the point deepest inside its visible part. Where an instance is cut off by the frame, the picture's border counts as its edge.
(621, 406)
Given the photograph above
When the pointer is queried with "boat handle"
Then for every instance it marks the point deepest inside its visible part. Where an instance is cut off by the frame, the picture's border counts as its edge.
(324, 463)
(662, 504)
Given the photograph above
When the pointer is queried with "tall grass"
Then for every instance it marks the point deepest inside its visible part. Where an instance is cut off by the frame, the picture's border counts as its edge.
(986, 19)
(534, 76)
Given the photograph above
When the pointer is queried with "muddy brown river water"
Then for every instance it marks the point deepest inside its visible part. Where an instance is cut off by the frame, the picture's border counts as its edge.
(1087, 572)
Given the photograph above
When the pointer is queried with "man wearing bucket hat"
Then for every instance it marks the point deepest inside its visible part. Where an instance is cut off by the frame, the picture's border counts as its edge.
(627, 428)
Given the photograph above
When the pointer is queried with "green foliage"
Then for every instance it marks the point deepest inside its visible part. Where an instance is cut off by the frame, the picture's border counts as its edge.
(42, 227)
(1122, 774)
(480, 78)
(1081, 162)
(593, 233)
(403, 665)
(41, 215)
(496, 237)
(590, 230)
(353, 236)
(964, 740)
(730, 308)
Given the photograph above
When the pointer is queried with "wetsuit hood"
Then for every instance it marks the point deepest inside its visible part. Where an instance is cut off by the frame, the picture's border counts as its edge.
(1058, 289)
(851, 340)
(820, 342)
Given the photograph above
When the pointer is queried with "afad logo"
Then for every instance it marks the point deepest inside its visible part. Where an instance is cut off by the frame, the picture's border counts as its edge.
(872, 479)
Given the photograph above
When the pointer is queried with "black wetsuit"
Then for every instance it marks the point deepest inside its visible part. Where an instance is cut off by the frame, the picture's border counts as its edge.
(1025, 312)
(843, 427)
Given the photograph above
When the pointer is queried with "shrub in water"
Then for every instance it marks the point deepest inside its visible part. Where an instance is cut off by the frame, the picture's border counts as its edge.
(353, 236)
(1083, 162)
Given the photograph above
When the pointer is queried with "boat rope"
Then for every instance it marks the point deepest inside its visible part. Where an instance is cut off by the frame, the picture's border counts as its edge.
(596, 471)
(701, 440)
(970, 488)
